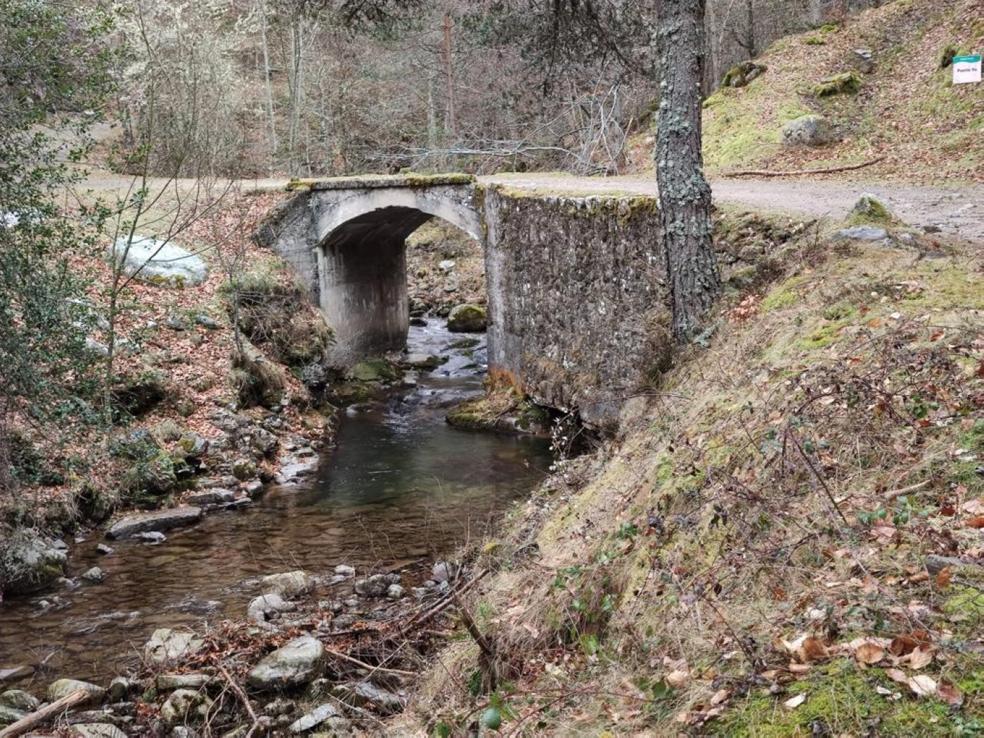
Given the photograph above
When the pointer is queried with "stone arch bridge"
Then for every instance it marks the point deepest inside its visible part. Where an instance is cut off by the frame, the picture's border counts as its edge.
(576, 283)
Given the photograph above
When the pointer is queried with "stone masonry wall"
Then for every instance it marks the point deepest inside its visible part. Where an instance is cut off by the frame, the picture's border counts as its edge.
(577, 298)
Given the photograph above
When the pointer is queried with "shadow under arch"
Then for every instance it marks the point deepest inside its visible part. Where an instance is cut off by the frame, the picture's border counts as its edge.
(362, 268)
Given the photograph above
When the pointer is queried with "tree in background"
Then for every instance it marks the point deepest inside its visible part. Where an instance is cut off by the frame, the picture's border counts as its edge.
(684, 195)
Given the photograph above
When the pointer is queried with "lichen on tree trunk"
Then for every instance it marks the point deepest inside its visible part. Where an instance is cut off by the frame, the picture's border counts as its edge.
(685, 196)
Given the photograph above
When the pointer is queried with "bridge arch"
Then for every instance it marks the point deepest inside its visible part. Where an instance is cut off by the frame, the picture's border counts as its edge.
(361, 260)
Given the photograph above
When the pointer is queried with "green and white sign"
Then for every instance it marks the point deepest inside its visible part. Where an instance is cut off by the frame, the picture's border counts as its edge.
(966, 69)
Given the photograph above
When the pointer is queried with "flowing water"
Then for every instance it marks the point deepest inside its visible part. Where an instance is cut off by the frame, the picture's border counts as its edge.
(399, 486)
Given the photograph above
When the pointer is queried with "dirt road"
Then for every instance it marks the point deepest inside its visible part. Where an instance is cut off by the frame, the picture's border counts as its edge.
(958, 210)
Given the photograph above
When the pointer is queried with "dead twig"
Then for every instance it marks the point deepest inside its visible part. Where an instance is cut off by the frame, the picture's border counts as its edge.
(238, 691)
(40, 717)
(803, 172)
(364, 665)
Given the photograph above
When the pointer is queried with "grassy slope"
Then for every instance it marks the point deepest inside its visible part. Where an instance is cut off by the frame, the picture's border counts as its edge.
(907, 109)
(646, 589)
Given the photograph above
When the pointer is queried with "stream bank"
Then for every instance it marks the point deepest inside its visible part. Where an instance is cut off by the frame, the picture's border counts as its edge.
(399, 491)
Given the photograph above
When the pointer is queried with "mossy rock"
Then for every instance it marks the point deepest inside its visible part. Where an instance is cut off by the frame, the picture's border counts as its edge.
(28, 561)
(151, 478)
(869, 209)
(742, 74)
(846, 83)
(467, 319)
(137, 394)
(374, 370)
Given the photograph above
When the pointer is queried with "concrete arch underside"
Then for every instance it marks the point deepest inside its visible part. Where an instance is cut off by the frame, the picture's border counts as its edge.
(361, 265)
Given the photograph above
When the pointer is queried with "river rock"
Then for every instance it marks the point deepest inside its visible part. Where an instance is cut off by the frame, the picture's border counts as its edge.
(265, 606)
(18, 699)
(345, 570)
(808, 130)
(443, 571)
(96, 730)
(9, 716)
(158, 262)
(29, 562)
(423, 361)
(289, 584)
(185, 705)
(94, 575)
(15, 673)
(296, 468)
(64, 687)
(215, 496)
(167, 644)
(325, 717)
(120, 688)
(394, 592)
(103, 549)
(467, 319)
(374, 586)
(168, 682)
(155, 521)
(293, 665)
(367, 694)
(153, 537)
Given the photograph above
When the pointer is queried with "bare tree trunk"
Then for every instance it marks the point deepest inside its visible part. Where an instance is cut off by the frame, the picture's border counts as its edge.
(685, 196)
(268, 83)
(448, 53)
(750, 41)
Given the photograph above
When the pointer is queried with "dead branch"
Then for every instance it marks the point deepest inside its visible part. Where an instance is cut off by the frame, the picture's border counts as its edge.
(238, 691)
(801, 173)
(40, 717)
(364, 665)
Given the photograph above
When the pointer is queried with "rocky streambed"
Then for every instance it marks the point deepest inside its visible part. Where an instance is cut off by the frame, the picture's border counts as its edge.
(316, 579)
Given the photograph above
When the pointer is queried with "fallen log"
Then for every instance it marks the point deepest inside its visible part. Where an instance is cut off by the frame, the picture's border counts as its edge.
(801, 173)
(40, 717)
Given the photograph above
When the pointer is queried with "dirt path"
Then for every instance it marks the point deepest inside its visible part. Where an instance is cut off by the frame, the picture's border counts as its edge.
(956, 211)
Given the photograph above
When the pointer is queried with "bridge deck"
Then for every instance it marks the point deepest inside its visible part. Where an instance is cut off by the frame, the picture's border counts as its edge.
(379, 181)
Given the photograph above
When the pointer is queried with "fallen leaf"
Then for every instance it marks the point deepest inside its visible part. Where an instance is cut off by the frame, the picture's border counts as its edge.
(907, 643)
(813, 650)
(949, 694)
(920, 657)
(720, 696)
(793, 702)
(922, 685)
(799, 668)
(977, 522)
(943, 578)
(883, 691)
(678, 678)
(869, 653)
(897, 675)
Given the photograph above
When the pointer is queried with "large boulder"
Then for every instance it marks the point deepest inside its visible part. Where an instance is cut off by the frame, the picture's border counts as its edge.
(158, 262)
(18, 699)
(10, 715)
(154, 521)
(467, 319)
(808, 130)
(295, 664)
(29, 562)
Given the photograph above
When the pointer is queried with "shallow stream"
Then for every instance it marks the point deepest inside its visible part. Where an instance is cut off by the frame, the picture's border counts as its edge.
(399, 487)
